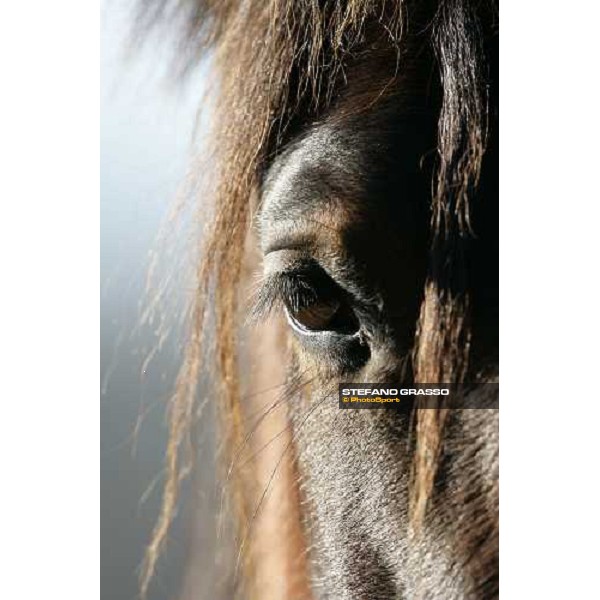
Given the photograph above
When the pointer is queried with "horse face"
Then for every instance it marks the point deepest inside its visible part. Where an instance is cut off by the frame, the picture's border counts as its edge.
(344, 229)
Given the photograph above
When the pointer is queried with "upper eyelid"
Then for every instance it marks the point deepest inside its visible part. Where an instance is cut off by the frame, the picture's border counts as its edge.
(271, 294)
(287, 259)
(295, 278)
(292, 243)
(302, 256)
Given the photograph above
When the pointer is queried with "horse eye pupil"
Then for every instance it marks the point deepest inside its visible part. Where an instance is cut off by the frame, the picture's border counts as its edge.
(317, 316)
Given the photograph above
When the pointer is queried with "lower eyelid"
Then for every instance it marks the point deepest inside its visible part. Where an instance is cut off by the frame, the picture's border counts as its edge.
(297, 328)
(343, 353)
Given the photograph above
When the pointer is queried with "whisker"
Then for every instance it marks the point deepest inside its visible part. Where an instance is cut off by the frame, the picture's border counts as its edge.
(290, 386)
(263, 496)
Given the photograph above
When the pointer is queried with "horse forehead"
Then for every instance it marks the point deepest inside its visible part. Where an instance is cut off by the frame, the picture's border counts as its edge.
(313, 189)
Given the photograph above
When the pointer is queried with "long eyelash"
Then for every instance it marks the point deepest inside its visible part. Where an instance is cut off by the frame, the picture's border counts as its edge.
(290, 290)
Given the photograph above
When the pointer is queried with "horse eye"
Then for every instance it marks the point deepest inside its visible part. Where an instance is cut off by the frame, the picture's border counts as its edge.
(324, 315)
(315, 317)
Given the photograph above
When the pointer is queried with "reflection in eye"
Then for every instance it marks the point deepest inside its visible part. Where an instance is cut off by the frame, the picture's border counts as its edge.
(316, 317)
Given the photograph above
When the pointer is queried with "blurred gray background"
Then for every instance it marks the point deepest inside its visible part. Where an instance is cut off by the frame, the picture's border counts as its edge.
(146, 130)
